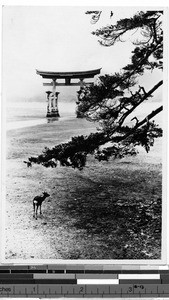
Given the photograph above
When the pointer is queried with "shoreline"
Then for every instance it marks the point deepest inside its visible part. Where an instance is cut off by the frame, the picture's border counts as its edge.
(30, 123)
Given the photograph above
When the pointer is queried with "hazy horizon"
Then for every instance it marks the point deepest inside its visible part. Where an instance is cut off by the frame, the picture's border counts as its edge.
(58, 39)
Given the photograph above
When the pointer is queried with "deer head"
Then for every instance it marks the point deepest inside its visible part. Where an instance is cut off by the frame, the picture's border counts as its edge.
(46, 194)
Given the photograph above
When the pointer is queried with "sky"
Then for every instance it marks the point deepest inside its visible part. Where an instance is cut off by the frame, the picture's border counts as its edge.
(55, 38)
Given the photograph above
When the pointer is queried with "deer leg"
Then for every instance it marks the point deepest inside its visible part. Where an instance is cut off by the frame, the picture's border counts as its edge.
(33, 210)
(36, 211)
(40, 210)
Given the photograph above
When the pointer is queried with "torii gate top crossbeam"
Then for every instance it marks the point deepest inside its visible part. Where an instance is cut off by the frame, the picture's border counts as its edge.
(68, 75)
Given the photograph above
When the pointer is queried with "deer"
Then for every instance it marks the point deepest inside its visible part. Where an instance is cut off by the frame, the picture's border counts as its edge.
(37, 203)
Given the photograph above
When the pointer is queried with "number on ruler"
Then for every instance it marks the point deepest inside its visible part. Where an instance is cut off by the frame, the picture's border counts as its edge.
(130, 289)
(81, 290)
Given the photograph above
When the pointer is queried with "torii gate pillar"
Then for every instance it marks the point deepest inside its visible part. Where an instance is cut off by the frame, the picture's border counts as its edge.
(52, 106)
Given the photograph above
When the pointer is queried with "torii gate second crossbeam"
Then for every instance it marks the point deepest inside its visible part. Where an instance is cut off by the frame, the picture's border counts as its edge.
(52, 96)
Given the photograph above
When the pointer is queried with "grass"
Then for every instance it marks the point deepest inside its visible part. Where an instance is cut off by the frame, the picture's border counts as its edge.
(109, 210)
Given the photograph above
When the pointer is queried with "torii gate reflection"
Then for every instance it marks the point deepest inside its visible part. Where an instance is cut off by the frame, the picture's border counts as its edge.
(52, 96)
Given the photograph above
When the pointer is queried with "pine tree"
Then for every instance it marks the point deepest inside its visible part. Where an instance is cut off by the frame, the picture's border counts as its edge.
(112, 98)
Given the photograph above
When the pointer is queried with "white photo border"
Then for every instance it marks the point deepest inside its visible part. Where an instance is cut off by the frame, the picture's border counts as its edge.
(165, 223)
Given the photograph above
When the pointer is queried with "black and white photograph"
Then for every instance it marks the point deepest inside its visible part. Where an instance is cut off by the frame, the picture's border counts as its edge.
(84, 128)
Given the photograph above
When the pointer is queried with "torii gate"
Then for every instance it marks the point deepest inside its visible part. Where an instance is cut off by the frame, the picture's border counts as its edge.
(52, 96)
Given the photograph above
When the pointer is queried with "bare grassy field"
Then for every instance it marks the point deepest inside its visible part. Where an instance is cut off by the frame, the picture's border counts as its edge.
(96, 213)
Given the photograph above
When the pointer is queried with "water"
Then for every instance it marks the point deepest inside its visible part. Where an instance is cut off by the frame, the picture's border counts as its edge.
(25, 114)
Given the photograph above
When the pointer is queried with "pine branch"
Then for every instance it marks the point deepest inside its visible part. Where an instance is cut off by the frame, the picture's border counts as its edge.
(146, 95)
(141, 123)
(74, 153)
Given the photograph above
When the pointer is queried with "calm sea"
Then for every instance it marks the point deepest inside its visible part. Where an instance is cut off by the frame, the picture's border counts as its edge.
(25, 114)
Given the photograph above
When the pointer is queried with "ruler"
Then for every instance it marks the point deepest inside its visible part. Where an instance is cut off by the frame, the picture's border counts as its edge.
(86, 291)
(55, 281)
